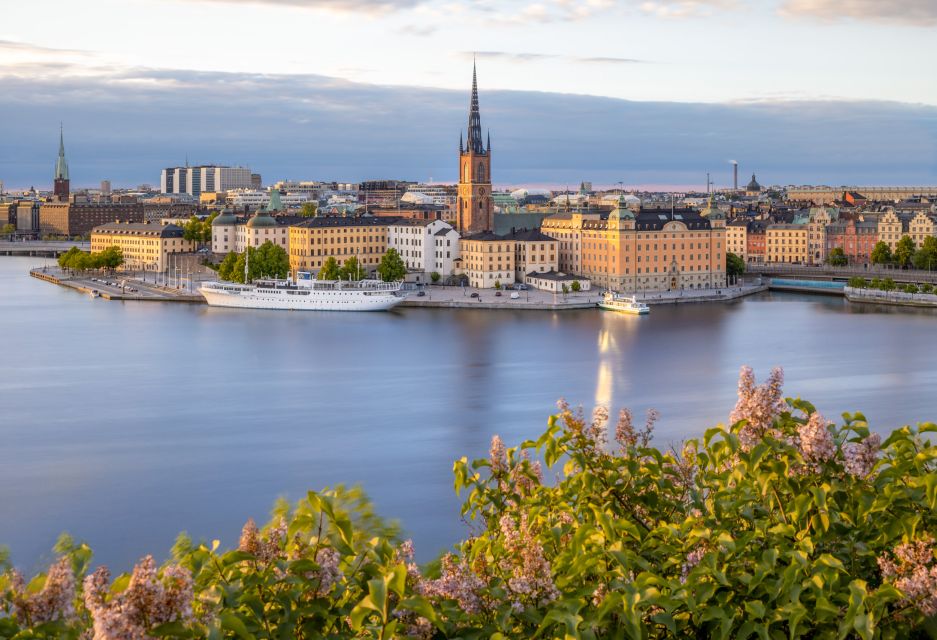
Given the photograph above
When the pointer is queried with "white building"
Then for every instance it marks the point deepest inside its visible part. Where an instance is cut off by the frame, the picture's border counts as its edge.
(425, 246)
(440, 194)
(207, 178)
(254, 199)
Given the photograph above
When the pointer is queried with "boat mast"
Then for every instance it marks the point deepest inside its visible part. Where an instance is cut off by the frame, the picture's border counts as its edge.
(247, 257)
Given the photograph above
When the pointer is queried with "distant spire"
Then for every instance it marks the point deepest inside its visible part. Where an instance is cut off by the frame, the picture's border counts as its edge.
(489, 141)
(460, 142)
(61, 166)
(474, 124)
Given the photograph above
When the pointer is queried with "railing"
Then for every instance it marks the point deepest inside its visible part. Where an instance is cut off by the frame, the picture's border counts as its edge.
(826, 271)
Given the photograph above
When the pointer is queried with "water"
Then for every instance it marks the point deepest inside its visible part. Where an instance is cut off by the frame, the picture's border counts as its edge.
(126, 423)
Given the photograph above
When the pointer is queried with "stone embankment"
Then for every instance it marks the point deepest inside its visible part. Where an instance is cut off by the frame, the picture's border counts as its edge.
(899, 298)
(143, 291)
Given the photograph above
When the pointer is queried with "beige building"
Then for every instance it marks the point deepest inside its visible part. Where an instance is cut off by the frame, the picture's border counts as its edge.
(553, 281)
(820, 218)
(737, 238)
(828, 195)
(891, 228)
(534, 252)
(315, 240)
(655, 250)
(920, 227)
(146, 246)
(488, 258)
(786, 243)
(566, 228)
(230, 234)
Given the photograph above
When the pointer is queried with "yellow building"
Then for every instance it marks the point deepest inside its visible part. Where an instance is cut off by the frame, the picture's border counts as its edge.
(786, 243)
(488, 258)
(566, 228)
(920, 227)
(655, 250)
(315, 240)
(737, 238)
(534, 252)
(891, 228)
(145, 246)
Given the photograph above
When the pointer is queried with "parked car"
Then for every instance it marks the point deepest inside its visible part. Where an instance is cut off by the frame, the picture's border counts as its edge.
(515, 295)
(498, 293)
(420, 293)
(474, 294)
(522, 287)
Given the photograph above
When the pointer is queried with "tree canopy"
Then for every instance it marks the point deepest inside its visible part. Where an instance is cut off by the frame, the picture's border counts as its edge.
(309, 209)
(881, 253)
(352, 270)
(735, 266)
(391, 267)
(199, 231)
(904, 251)
(269, 260)
(837, 257)
(110, 258)
(926, 256)
(330, 270)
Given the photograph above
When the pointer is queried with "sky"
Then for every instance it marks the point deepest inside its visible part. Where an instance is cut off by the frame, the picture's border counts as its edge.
(647, 92)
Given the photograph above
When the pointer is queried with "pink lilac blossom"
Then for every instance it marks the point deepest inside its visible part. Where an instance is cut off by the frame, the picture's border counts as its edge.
(815, 441)
(860, 457)
(758, 405)
(266, 548)
(521, 474)
(693, 558)
(912, 570)
(55, 601)
(329, 572)
(148, 601)
(530, 573)
(497, 455)
(598, 428)
(457, 582)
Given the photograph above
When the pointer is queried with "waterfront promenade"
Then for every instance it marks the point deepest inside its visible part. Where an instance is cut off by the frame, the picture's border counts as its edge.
(45, 248)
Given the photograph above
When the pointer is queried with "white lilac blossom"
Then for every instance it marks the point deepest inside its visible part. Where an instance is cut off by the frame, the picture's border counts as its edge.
(860, 457)
(758, 405)
(815, 441)
(55, 601)
(912, 570)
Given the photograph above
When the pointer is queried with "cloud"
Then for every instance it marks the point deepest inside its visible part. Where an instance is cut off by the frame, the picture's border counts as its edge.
(685, 8)
(126, 124)
(342, 6)
(913, 12)
(522, 57)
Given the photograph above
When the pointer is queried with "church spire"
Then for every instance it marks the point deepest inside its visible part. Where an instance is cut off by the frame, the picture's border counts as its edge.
(61, 166)
(475, 144)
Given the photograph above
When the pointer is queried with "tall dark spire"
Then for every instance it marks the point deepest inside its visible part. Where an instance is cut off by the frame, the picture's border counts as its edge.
(61, 166)
(475, 144)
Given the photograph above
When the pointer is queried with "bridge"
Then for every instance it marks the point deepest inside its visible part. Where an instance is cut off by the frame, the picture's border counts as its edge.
(842, 274)
(46, 249)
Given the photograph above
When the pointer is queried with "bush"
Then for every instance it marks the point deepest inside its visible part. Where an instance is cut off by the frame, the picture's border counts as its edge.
(498, 285)
(857, 282)
(927, 288)
(888, 284)
(434, 276)
(576, 286)
(910, 288)
(780, 525)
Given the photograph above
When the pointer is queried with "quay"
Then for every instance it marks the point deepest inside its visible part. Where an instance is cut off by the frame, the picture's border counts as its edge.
(45, 249)
(146, 291)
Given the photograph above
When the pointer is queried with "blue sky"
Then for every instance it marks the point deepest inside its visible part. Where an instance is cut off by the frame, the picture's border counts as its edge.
(650, 92)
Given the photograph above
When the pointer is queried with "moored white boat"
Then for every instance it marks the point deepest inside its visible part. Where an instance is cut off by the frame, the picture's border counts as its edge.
(305, 294)
(624, 304)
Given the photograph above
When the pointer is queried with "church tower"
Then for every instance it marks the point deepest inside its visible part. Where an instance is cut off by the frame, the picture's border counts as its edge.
(474, 206)
(60, 180)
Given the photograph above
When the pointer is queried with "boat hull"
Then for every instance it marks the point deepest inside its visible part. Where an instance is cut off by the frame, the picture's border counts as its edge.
(633, 312)
(315, 301)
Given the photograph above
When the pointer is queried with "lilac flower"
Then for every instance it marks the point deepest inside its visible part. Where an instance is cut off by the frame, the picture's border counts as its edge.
(598, 428)
(458, 582)
(329, 572)
(625, 434)
(530, 573)
(912, 570)
(497, 455)
(758, 405)
(55, 601)
(860, 457)
(815, 441)
(693, 558)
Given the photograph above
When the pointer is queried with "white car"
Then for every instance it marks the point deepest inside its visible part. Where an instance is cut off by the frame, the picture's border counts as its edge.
(515, 295)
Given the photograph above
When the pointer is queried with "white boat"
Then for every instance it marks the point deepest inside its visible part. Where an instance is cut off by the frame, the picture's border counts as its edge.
(305, 294)
(625, 304)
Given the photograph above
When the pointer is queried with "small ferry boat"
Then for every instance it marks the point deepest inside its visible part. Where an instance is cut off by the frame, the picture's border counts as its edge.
(305, 294)
(625, 304)
(94, 293)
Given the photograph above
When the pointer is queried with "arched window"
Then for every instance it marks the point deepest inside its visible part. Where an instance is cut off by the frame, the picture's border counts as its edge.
(481, 172)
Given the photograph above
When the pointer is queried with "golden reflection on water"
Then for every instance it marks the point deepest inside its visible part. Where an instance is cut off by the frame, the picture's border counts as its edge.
(616, 334)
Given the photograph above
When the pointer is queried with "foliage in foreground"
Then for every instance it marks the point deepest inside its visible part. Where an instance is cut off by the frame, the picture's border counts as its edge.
(779, 526)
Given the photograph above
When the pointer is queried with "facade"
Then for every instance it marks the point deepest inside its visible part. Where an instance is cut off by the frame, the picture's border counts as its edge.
(424, 246)
(474, 205)
(786, 243)
(315, 240)
(756, 242)
(230, 234)
(820, 219)
(440, 194)
(68, 219)
(737, 238)
(487, 259)
(921, 226)
(891, 227)
(194, 180)
(655, 250)
(855, 238)
(553, 281)
(829, 195)
(534, 252)
(252, 199)
(146, 246)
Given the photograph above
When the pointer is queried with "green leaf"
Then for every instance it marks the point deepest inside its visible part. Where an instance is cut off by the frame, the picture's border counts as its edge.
(231, 622)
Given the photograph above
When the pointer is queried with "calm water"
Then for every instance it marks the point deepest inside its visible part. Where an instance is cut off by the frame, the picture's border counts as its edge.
(125, 423)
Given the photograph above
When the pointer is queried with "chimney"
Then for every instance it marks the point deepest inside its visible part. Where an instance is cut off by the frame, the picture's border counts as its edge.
(735, 176)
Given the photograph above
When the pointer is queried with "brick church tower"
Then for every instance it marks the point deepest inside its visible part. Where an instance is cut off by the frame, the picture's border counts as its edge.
(475, 210)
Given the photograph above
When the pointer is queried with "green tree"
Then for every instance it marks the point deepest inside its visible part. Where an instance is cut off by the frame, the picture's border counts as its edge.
(904, 251)
(735, 266)
(576, 286)
(857, 282)
(910, 288)
(881, 253)
(269, 261)
(111, 258)
(228, 265)
(434, 276)
(67, 259)
(837, 257)
(192, 230)
(8, 229)
(888, 284)
(927, 288)
(330, 270)
(309, 209)
(926, 256)
(352, 270)
(497, 285)
(391, 268)
(206, 228)
(876, 283)
(565, 289)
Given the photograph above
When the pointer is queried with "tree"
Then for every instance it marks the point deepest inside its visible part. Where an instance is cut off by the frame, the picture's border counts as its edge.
(927, 288)
(434, 276)
(881, 253)
(67, 259)
(888, 284)
(8, 229)
(352, 270)
(926, 256)
(269, 261)
(206, 228)
(910, 288)
(837, 257)
(111, 258)
(330, 270)
(192, 230)
(857, 282)
(735, 266)
(576, 286)
(497, 285)
(904, 251)
(309, 209)
(226, 269)
(391, 268)
(565, 289)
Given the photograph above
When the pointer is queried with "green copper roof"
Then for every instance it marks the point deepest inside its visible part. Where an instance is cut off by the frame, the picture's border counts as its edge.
(275, 204)
(61, 166)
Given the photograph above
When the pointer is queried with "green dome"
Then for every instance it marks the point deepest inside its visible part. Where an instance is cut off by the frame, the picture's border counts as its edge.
(225, 219)
(262, 219)
(712, 212)
(621, 210)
